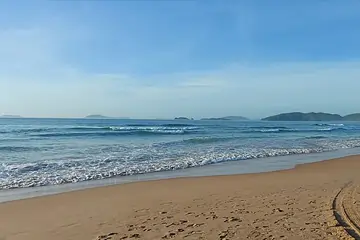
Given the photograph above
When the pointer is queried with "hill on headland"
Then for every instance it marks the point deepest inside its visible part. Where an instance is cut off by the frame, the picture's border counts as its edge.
(312, 116)
(352, 117)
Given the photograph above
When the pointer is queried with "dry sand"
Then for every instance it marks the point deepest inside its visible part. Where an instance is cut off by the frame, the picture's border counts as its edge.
(312, 201)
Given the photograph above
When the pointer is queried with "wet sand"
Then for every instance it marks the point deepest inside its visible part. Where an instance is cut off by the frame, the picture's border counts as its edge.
(312, 201)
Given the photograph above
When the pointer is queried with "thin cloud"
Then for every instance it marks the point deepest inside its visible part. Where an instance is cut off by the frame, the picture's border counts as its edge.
(41, 74)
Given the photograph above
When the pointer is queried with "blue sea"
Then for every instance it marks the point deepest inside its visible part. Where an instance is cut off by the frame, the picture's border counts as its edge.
(43, 152)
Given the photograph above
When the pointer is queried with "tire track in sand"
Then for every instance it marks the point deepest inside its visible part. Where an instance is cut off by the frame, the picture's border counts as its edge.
(345, 212)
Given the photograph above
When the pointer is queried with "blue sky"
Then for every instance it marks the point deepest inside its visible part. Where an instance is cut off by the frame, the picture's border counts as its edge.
(149, 59)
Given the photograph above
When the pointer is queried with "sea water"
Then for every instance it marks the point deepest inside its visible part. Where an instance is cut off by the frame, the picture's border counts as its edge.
(44, 152)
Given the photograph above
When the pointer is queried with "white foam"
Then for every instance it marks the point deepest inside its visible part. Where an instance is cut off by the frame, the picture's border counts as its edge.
(96, 163)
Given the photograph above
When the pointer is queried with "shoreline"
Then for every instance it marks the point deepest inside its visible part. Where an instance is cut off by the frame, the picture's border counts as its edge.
(259, 165)
(294, 203)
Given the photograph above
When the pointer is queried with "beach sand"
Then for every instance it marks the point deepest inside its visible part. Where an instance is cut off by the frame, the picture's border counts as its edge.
(312, 201)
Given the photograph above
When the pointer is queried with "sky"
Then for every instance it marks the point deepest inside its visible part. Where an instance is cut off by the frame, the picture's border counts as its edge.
(162, 59)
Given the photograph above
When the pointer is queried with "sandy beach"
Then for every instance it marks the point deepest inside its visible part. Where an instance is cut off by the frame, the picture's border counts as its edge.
(312, 201)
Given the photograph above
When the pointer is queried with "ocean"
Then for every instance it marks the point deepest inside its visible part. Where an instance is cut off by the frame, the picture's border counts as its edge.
(45, 152)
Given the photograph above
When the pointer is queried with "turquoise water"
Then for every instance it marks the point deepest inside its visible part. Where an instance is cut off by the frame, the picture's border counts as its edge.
(42, 152)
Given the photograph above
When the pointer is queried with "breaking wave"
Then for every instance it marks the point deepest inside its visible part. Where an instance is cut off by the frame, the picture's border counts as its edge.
(123, 163)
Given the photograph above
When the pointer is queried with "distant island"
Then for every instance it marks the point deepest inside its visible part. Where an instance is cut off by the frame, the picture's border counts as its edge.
(99, 116)
(183, 118)
(228, 118)
(312, 116)
(11, 116)
(96, 116)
